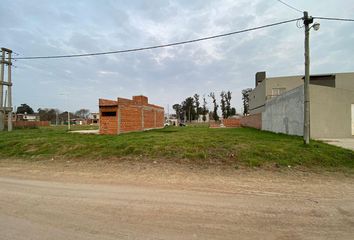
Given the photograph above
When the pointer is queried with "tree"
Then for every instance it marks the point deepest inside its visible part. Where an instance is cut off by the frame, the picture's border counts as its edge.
(223, 104)
(64, 116)
(24, 108)
(188, 108)
(82, 113)
(204, 109)
(197, 105)
(246, 99)
(48, 114)
(215, 111)
(179, 113)
(233, 111)
(228, 104)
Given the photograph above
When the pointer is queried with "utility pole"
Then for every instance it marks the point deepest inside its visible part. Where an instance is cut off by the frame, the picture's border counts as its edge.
(68, 121)
(168, 113)
(190, 114)
(2, 110)
(307, 21)
(66, 97)
(5, 106)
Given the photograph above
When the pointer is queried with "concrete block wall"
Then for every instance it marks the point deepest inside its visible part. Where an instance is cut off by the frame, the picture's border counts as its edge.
(285, 113)
(131, 115)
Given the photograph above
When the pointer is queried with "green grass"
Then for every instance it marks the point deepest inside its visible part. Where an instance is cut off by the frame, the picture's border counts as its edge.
(200, 145)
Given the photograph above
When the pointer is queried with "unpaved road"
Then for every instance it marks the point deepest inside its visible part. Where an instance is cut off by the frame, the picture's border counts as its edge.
(37, 204)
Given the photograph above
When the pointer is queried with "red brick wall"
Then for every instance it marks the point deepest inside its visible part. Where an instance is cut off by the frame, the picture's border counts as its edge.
(141, 100)
(130, 115)
(108, 124)
(25, 124)
(231, 122)
(160, 118)
(130, 118)
(149, 118)
(254, 121)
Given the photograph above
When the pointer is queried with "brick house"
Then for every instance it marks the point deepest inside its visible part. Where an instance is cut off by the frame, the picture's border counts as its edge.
(126, 115)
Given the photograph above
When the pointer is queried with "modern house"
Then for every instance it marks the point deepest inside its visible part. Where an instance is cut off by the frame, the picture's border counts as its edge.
(127, 115)
(277, 104)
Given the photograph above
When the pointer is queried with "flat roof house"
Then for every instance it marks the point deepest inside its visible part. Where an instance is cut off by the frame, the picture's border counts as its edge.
(127, 115)
(279, 103)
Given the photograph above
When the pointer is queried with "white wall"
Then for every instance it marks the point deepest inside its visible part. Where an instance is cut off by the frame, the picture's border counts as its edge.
(285, 113)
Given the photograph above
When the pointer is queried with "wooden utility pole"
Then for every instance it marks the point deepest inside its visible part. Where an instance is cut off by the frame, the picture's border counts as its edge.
(307, 21)
(5, 106)
(68, 120)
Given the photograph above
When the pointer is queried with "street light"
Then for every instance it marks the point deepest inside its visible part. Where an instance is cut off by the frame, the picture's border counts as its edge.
(316, 26)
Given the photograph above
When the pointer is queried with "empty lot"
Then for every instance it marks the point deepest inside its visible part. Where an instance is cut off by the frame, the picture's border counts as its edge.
(157, 201)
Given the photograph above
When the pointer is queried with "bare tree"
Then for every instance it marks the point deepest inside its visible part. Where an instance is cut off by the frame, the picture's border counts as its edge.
(216, 106)
(197, 105)
(246, 99)
(223, 104)
(228, 103)
(204, 109)
(82, 113)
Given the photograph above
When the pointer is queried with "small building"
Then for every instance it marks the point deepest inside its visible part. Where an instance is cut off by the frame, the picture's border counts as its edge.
(200, 118)
(277, 105)
(127, 115)
(27, 117)
(93, 118)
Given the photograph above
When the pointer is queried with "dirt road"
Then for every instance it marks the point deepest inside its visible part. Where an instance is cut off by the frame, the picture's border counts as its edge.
(241, 205)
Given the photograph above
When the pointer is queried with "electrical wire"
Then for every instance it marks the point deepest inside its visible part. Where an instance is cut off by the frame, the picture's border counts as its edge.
(288, 5)
(335, 19)
(157, 46)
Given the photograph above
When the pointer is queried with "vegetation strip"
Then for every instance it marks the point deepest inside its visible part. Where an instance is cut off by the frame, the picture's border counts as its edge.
(195, 144)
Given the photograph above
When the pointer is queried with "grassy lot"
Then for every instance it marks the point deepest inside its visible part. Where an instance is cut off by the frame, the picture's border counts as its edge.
(201, 145)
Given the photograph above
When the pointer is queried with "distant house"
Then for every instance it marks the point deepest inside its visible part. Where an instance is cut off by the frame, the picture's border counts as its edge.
(27, 117)
(93, 118)
(277, 104)
(200, 118)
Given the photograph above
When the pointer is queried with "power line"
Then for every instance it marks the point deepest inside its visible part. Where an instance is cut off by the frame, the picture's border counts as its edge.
(335, 19)
(288, 5)
(158, 46)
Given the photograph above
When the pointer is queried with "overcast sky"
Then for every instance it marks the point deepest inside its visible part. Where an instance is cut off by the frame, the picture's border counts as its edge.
(168, 75)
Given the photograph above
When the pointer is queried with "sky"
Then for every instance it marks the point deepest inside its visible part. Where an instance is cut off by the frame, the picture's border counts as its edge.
(169, 75)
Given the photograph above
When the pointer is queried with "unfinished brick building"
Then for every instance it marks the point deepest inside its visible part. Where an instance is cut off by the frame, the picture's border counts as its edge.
(125, 115)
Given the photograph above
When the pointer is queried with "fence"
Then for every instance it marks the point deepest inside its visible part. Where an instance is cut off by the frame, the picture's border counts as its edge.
(30, 124)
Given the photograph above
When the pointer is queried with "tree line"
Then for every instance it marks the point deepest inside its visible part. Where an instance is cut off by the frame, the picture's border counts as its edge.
(193, 107)
(52, 114)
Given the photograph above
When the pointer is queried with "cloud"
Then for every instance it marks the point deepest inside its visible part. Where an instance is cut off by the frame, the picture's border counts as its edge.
(168, 75)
